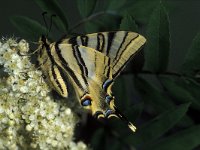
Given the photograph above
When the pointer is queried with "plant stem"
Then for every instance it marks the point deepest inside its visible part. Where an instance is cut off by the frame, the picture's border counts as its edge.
(91, 17)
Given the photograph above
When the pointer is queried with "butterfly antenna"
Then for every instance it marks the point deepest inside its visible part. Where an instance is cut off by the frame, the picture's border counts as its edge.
(51, 22)
(44, 18)
(124, 119)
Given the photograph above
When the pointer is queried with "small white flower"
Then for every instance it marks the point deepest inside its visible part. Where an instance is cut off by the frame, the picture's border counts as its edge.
(1, 110)
(11, 115)
(54, 143)
(28, 127)
(20, 65)
(23, 46)
(11, 122)
(50, 116)
(68, 111)
(24, 89)
(31, 117)
(15, 57)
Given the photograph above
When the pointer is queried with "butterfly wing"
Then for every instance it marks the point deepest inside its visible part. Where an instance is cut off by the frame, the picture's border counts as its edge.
(81, 64)
(119, 46)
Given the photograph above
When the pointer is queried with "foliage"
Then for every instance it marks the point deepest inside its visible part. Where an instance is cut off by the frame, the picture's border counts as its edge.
(166, 103)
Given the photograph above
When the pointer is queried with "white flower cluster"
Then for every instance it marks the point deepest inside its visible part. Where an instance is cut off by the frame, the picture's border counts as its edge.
(29, 117)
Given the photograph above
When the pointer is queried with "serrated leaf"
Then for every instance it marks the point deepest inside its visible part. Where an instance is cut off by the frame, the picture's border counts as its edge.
(86, 7)
(28, 27)
(157, 127)
(158, 37)
(191, 64)
(187, 139)
(128, 24)
(178, 92)
(53, 7)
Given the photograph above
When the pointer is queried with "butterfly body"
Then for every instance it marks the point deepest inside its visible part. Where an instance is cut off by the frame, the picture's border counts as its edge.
(90, 63)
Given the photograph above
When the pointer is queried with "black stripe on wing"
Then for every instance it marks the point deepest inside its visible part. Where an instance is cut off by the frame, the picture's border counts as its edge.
(118, 51)
(61, 79)
(52, 71)
(121, 51)
(111, 36)
(68, 69)
(72, 41)
(100, 42)
(125, 63)
(80, 62)
(84, 40)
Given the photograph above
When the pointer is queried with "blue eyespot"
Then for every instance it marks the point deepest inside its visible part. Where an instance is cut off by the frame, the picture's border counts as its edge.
(106, 84)
(86, 102)
(108, 112)
(108, 99)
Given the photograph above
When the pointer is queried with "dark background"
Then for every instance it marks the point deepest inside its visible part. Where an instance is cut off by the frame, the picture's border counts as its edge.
(152, 95)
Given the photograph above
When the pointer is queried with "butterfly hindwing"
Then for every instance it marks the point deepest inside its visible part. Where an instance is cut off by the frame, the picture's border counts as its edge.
(119, 46)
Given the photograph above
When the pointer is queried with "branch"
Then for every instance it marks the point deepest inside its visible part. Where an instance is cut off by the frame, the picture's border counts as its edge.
(91, 17)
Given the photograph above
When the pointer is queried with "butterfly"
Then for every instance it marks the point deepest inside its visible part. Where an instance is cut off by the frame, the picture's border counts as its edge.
(90, 63)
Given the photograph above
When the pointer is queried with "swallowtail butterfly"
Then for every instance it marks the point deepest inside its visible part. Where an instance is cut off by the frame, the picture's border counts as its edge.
(91, 63)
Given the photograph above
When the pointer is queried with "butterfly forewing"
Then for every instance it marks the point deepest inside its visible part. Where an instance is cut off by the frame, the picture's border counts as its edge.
(119, 46)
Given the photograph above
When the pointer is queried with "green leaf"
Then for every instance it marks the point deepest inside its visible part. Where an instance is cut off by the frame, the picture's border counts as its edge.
(178, 92)
(185, 122)
(191, 64)
(86, 7)
(112, 144)
(113, 5)
(158, 41)
(152, 95)
(140, 9)
(156, 100)
(187, 139)
(91, 27)
(53, 7)
(28, 27)
(128, 24)
(98, 139)
(192, 86)
(134, 112)
(120, 92)
(157, 127)
(104, 22)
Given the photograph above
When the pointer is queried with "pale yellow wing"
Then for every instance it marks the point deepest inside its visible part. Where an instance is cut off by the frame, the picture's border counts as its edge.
(119, 46)
(81, 63)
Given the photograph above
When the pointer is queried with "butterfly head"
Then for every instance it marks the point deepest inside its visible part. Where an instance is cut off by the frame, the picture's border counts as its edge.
(43, 40)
